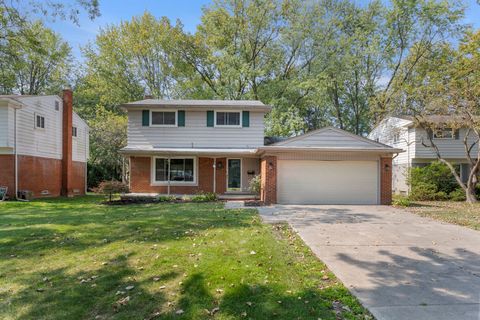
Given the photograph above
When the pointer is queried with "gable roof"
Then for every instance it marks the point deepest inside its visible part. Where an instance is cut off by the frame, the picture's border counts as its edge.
(330, 139)
(158, 103)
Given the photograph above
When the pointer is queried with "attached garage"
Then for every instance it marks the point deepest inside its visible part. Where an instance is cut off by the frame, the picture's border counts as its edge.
(327, 182)
(327, 166)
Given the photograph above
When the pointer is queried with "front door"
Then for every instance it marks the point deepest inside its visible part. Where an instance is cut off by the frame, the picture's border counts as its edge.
(234, 175)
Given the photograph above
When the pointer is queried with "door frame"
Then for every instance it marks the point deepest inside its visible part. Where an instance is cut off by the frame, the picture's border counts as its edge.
(241, 176)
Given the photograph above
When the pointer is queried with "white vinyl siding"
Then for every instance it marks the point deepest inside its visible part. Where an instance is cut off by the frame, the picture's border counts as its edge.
(80, 142)
(45, 142)
(195, 134)
(449, 148)
(327, 182)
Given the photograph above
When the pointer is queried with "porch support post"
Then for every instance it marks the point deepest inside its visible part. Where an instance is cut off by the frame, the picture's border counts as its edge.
(214, 174)
(268, 169)
(168, 176)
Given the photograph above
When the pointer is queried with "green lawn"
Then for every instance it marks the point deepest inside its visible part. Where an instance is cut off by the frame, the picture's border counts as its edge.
(79, 259)
(460, 213)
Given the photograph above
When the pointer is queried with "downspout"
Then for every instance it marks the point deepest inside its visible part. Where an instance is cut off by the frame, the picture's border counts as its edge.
(15, 151)
(214, 174)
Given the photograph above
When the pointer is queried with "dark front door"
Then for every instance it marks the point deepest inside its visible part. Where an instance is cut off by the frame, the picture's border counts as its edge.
(234, 175)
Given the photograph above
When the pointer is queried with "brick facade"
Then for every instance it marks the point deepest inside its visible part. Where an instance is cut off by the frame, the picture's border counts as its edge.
(7, 173)
(140, 177)
(386, 181)
(78, 177)
(268, 175)
(42, 176)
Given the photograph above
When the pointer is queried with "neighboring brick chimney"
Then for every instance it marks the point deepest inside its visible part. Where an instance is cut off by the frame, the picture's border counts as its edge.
(67, 163)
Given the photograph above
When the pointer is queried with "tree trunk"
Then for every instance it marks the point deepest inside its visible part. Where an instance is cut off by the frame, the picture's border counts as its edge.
(470, 194)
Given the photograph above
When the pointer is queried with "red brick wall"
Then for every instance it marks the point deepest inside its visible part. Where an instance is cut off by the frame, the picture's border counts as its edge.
(140, 176)
(78, 178)
(268, 174)
(37, 174)
(386, 181)
(7, 173)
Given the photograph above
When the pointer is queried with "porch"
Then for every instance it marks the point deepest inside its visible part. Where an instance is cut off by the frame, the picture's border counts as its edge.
(227, 173)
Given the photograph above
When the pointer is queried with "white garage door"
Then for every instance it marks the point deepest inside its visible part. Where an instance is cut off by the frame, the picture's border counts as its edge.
(327, 182)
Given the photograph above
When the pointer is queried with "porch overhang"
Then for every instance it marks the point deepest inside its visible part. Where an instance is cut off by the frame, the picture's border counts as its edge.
(150, 151)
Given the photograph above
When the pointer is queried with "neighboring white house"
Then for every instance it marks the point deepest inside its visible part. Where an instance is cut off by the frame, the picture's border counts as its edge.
(43, 145)
(401, 132)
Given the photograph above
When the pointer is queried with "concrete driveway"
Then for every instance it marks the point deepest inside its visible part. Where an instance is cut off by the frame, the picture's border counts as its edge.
(400, 266)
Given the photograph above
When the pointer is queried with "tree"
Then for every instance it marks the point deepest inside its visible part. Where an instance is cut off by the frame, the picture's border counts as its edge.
(108, 134)
(443, 92)
(41, 68)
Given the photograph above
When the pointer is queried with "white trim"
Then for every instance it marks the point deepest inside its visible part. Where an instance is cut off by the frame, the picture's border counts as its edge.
(241, 175)
(163, 125)
(193, 183)
(226, 125)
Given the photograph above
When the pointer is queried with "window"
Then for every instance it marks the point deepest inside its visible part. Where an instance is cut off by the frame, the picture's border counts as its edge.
(227, 119)
(443, 134)
(57, 105)
(164, 118)
(180, 170)
(39, 121)
(396, 137)
(74, 131)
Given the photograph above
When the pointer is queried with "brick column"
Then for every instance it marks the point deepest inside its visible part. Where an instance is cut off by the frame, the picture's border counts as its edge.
(67, 163)
(386, 181)
(268, 174)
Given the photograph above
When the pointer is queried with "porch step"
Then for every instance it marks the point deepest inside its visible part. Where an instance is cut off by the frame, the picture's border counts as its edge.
(238, 196)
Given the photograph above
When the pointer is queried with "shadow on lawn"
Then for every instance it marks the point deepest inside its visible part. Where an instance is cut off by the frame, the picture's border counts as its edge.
(67, 224)
(94, 295)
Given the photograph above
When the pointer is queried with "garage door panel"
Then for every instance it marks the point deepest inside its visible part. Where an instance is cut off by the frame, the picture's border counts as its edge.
(327, 182)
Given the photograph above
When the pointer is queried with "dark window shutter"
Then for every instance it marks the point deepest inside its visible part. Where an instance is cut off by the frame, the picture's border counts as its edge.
(181, 118)
(145, 118)
(457, 134)
(246, 119)
(210, 117)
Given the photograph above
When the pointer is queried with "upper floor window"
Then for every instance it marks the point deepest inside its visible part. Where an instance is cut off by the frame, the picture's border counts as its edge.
(163, 118)
(444, 134)
(57, 105)
(74, 131)
(227, 119)
(39, 121)
(396, 137)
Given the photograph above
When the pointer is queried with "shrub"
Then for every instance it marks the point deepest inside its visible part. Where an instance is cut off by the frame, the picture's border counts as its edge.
(111, 187)
(167, 198)
(401, 201)
(432, 182)
(457, 195)
(255, 184)
(204, 197)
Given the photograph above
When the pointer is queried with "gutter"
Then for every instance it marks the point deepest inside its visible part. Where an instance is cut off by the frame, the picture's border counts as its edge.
(263, 150)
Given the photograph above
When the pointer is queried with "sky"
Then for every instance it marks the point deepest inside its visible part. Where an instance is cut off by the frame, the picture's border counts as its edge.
(188, 11)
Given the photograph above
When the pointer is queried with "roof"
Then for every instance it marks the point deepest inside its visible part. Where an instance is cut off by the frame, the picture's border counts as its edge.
(433, 119)
(158, 103)
(332, 139)
(187, 151)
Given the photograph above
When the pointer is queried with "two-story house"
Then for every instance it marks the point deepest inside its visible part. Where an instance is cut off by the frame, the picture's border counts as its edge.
(188, 146)
(401, 132)
(43, 145)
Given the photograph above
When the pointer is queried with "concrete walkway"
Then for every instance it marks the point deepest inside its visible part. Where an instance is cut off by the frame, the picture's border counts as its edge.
(401, 266)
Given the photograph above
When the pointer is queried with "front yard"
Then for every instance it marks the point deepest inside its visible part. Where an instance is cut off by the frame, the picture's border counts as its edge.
(460, 213)
(79, 259)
